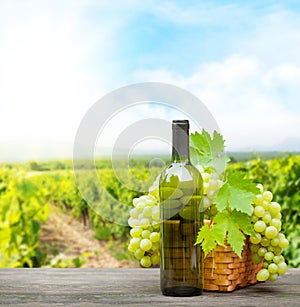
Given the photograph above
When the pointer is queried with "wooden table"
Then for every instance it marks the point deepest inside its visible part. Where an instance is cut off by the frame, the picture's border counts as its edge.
(131, 287)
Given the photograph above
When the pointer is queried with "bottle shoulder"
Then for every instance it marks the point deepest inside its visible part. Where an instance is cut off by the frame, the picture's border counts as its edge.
(184, 171)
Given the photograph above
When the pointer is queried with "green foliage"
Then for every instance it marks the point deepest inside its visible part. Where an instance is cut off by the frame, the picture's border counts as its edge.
(226, 225)
(207, 151)
(24, 199)
(233, 199)
(22, 209)
(236, 193)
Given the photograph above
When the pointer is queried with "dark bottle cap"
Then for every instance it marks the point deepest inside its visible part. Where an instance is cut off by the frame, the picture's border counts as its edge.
(181, 123)
(180, 139)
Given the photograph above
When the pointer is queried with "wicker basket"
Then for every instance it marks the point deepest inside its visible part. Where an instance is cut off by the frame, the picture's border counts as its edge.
(224, 271)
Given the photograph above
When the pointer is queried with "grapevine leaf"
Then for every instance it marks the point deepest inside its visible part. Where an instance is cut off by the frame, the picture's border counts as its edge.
(235, 224)
(217, 144)
(206, 239)
(209, 237)
(241, 200)
(208, 151)
(222, 197)
(221, 217)
(235, 238)
(244, 222)
(236, 193)
(239, 180)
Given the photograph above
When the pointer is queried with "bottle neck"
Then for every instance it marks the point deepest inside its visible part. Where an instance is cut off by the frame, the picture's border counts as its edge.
(181, 148)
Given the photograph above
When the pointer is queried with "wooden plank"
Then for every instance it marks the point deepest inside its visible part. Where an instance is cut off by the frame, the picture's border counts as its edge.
(138, 287)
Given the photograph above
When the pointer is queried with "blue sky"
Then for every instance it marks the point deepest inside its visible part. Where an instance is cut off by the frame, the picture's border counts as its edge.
(241, 58)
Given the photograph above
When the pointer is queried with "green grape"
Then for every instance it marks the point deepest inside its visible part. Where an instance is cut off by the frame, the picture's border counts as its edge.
(136, 231)
(131, 248)
(259, 226)
(260, 187)
(146, 234)
(146, 261)
(271, 248)
(147, 212)
(273, 277)
(259, 211)
(139, 254)
(265, 242)
(254, 218)
(155, 213)
(256, 259)
(262, 251)
(133, 222)
(256, 239)
(265, 265)
(272, 268)
(271, 232)
(282, 268)
(277, 259)
(267, 217)
(268, 196)
(266, 205)
(155, 258)
(275, 241)
(135, 201)
(140, 206)
(144, 223)
(254, 248)
(283, 243)
(258, 200)
(135, 243)
(277, 251)
(274, 209)
(281, 258)
(134, 213)
(154, 237)
(156, 225)
(278, 216)
(269, 256)
(262, 275)
(145, 244)
(155, 246)
(276, 223)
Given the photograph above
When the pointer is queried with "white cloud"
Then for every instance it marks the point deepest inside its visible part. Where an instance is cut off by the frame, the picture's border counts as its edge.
(46, 83)
(239, 92)
(58, 58)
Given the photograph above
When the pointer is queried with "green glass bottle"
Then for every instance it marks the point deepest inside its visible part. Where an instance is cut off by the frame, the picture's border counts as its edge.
(180, 192)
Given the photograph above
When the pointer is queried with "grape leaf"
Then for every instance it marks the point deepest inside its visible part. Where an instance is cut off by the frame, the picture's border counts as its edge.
(235, 238)
(234, 224)
(210, 236)
(243, 221)
(208, 151)
(237, 193)
(222, 197)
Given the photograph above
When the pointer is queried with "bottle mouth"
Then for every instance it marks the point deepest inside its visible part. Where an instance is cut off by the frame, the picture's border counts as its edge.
(181, 123)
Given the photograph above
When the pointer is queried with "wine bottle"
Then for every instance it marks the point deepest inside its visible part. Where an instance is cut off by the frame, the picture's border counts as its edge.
(180, 192)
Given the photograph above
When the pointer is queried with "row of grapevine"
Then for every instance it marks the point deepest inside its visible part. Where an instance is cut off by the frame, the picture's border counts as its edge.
(23, 207)
(25, 195)
(107, 198)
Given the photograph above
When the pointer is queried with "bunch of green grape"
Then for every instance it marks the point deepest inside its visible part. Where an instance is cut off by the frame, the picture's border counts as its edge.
(211, 184)
(145, 236)
(268, 242)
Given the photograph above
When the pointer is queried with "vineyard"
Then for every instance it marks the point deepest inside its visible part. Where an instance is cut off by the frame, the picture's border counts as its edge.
(29, 192)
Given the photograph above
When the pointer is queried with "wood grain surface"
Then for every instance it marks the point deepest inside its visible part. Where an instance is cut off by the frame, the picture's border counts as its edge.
(130, 287)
